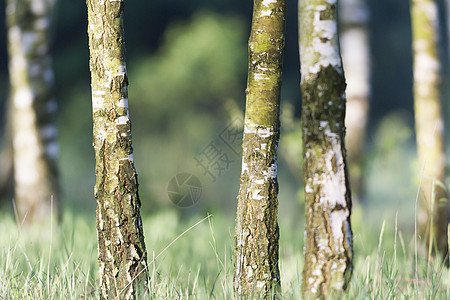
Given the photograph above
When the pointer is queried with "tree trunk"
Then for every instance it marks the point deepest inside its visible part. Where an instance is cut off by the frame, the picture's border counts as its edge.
(121, 250)
(354, 41)
(328, 236)
(256, 237)
(433, 215)
(33, 108)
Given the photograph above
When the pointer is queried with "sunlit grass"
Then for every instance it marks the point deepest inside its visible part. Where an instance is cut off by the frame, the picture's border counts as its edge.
(198, 264)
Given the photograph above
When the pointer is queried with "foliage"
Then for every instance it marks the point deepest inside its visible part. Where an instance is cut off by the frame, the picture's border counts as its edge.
(180, 96)
(391, 169)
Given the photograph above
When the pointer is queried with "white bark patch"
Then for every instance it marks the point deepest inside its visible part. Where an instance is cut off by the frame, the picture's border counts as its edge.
(333, 181)
(244, 167)
(261, 76)
(129, 157)
(122, 120)
(266, 13)
(256, 195)
(23, 97)
(268, 2)
(338, 219)
(260, 131)
(101, 135)
(259, 181)
(250, 273)
(123, 103)
(271, 171)
(259, 67)
(122, 70)
(97, 100)
(323, 50)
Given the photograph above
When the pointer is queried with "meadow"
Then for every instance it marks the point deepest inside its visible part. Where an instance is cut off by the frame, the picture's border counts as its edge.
(192, 258)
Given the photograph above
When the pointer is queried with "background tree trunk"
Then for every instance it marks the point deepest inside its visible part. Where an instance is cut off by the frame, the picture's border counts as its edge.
(33, 108)
(328, 236)
(121, 250)
(354, 17)
(429, 122)
(256, 237)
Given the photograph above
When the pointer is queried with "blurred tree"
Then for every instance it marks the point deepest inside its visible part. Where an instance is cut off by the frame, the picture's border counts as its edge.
(121, 250)
(354, 17)
(6, 160)
(328, 235)
(32, 108)
(433, 216)
(256, 236)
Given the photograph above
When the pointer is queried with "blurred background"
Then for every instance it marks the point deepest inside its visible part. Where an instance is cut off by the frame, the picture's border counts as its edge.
(187, 66)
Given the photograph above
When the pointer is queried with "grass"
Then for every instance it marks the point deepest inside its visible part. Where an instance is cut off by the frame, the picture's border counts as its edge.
(61, 262)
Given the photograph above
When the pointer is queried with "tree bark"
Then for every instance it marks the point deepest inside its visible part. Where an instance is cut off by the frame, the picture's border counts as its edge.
(121, 250)
(33, 108)
(354, 41)
(328, 236)
(433, 215)
(256, 236)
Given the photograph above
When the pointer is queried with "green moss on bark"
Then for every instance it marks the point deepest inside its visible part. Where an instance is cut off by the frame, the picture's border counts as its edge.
(256, 237)
(328, 237)
(121, 252)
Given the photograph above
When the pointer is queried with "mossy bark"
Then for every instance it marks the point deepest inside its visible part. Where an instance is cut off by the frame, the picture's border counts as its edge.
(433, 218)
(32, 108)
(354, 40)
(121, 250)
(256, 236)
(328, 236)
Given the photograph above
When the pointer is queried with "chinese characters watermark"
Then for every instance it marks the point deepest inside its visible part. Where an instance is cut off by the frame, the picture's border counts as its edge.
(216, 157)
(185, 189)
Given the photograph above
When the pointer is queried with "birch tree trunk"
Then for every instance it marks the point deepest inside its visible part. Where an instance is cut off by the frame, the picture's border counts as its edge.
(121, 250)
(33, 108)
(328, 236)
(256, 236)
(354, 41)
(433, 215)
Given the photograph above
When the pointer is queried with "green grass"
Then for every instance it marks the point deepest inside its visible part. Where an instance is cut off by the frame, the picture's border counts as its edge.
(61, 262)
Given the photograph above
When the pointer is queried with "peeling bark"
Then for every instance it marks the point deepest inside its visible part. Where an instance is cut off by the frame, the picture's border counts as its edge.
(256, 236)
(429, 122)
(121, 250)
(33, 108)
(328, 236)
